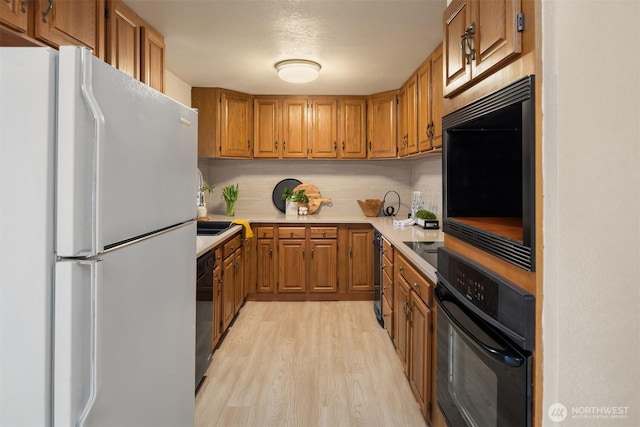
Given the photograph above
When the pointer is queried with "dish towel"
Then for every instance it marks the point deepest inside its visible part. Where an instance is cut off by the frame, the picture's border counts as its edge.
(403, 222)
(247, 228)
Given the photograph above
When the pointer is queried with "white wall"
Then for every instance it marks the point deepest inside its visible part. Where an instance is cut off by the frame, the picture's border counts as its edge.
(177, 89)
(591, 163)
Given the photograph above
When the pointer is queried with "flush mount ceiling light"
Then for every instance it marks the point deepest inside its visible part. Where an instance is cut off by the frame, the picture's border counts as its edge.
(298, 70)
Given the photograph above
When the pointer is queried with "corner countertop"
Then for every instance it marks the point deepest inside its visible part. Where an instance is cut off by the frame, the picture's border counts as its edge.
(395, 235)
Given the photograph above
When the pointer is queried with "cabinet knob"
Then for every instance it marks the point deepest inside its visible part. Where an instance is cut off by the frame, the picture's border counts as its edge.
(291, 234)
(264, 234)
(415, 285)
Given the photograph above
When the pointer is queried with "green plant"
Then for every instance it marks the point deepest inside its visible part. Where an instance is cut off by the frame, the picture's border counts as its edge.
(230, 193)
(425, 214)
(295, 196)
(207, 187)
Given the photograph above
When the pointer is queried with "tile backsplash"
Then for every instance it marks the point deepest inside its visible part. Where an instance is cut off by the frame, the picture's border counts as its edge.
(342, 181)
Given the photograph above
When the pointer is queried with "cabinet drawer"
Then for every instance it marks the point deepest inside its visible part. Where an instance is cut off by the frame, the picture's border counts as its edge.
(417, 281)
(387, 250)
(264, 232)
(387, 265)
(231, 246)
(291, 232)
(324, 232)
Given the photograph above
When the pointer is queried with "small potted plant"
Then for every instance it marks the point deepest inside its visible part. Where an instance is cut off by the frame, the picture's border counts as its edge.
(230, 195)
(202, 206)
(294, 199)
(426, 219)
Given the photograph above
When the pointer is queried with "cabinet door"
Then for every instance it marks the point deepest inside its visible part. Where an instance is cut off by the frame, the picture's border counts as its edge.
(153, 51)
(294, 127)
(425, 79)
(206, 101)
(238, 292)
(323, 128)
(266, 127)
(228, 288)
(412, 114)
(323, 265)
(235, 124)
(400, 321)
(497, 38)
(266, 266)
(457, 72)
(70, 22)
(360, 260)
(437, 98)
(420, 347)
(402, 136)
(352, 131)
(291, 265)
(382, 125)
(123, 38)
(217, 303)
(13, 13)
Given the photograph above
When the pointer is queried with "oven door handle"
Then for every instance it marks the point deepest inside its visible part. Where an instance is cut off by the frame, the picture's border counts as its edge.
(502, 356)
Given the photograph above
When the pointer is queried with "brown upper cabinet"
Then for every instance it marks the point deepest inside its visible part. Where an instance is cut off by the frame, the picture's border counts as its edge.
(382, 125)
(479, 38)
(407, 117)
(14, 14)
(316, 127)
(430, 100)
(224, 122)
(352, 130)
(133, 46)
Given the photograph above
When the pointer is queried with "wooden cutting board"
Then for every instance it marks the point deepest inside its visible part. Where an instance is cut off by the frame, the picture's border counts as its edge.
(315, 198)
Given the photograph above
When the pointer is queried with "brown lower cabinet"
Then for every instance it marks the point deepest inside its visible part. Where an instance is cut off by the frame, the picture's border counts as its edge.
(413, 324)
(320, 261)
(217, 298)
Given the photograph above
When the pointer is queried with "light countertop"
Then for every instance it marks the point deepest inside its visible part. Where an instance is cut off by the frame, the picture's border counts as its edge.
(395, 235)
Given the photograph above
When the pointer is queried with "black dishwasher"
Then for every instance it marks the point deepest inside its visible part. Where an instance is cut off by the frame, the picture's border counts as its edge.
(377, 276)
(204, 314)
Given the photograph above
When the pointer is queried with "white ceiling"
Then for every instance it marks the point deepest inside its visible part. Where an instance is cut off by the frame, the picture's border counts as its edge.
(364, 46)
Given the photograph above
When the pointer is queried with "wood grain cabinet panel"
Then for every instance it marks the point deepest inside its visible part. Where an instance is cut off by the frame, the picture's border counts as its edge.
(14, 14)
(153, 53)
(352, 129)
(235, 124)
(294, 127)
(266, 265)
(266, 127)
(124, 29)
(70, 22)
(430, 102)
(323, 265)
(323, 127)
(480, 37)
(360, 260)
(292, 276)
(382, 125)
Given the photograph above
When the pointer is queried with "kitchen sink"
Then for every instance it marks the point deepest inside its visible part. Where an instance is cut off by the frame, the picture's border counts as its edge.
(212, 228)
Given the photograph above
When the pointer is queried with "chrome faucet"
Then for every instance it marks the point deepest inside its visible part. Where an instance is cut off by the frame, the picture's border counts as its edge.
(200, 193)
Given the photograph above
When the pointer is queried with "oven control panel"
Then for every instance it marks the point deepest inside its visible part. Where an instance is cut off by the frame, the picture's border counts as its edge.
(480, 290)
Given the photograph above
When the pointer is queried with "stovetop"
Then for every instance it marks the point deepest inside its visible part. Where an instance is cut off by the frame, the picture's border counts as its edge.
(427, 250)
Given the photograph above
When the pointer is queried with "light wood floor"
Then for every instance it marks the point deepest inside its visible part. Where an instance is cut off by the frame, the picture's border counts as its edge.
(306, 364)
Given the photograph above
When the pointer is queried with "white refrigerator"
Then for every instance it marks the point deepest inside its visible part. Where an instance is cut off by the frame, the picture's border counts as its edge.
(97, 245)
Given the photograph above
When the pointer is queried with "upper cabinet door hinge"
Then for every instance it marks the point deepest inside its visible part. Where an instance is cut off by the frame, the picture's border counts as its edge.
(520, 22)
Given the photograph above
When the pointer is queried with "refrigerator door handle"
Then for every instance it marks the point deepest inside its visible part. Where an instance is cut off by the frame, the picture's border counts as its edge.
(76, 347)
(93, 373)
(93, 107)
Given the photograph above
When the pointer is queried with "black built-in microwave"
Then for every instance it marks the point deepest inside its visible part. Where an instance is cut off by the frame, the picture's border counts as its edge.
(489, 173)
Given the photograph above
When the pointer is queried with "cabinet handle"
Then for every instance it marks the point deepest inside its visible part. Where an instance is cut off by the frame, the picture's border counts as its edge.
(466, 43)
(284, 145)
(270, 252)
(324, 233)
(343, 145)
(311, 252)
(276, 145)
(335, 146)
(24, 6)
(264, 234)
(46, 13)
(402, 270)
(302, 252)
(416, 286)
(291, 234)
(383, 267)
(350, 252)
(369, 145)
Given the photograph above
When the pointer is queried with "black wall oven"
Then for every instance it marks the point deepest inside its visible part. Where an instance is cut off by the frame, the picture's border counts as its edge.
(485, 335)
